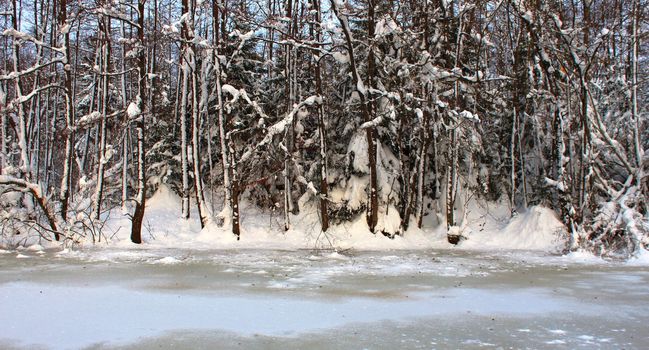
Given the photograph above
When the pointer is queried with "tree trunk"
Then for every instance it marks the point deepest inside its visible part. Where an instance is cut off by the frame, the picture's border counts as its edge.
(324, 185)
(69, 115)
(421, 171)
(637, 147)
(104, 23)
(183, 113)
(227, 213)
(512, 170)
(125, 137)
(140, 199)
(452, 153)
(290, 100)
(370, 133)
(236, 227)
(22, 122)
(196, 116)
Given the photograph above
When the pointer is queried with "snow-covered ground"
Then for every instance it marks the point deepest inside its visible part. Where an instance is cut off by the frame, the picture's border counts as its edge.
(151, 298)
(487, 226)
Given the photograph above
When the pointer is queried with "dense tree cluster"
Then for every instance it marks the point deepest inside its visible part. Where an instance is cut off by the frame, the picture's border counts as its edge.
(391, 109)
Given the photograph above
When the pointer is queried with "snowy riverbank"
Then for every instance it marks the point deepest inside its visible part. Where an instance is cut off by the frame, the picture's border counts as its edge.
(486, 227)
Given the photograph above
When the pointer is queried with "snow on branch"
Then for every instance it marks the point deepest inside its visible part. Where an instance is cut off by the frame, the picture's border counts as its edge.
(379, 119)
(36, 191)
(556, 184)
(232, 91)
(21, 184)
(89, 118)
(470, 116)
(116, 15)
(236, 94)
(602, 131)
(26, 37)
(244, 37)
(309, 185)
(25, 98)
(92, 118)
(14, 75)
(133, 111)
(281, 125)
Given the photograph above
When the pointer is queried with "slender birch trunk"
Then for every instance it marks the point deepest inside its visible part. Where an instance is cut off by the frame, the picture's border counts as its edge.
(69, 112)
(104, 24)
(125, 136)
(196, 116)
(289, 135)
(183, 112)
(22, 122)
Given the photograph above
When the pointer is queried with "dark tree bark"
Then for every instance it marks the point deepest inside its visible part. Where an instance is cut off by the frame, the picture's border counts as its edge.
(316, 33)
(140, 200)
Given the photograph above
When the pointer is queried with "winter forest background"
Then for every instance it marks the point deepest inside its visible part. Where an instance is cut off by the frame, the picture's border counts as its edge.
(399, 113)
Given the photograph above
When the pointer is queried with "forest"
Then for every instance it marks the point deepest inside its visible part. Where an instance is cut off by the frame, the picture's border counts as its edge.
(398, 112)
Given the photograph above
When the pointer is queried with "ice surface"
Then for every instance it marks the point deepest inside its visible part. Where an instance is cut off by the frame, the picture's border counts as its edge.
(146, 298)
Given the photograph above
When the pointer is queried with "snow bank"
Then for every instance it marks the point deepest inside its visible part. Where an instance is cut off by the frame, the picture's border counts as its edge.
(486, 227)
(641, 259)
(583, 257)
(538, 228)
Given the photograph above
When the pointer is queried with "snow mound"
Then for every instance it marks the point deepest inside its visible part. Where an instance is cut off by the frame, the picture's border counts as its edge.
(640, 259)
(487, 226)
(536, 229)
(337, 256)
(169, 260)
(164, 199)
(583, 257)
(35, 248)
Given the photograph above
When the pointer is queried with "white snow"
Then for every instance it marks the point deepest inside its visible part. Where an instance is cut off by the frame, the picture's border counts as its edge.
(385, 26)
(169, 260)
(358, 148)
(486, 226)
(90, 118)
(232, 91)
(583, 257)
(341, 57)
(641, 259)
(35, 248)
(537, 228)
(486, 229)
(133, 111)
(470, 116)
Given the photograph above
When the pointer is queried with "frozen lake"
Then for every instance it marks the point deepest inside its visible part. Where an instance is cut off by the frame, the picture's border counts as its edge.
(182, 299)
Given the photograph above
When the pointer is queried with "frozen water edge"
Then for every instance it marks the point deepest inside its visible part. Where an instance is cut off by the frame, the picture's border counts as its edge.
(309, 299)
(118, 314)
